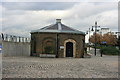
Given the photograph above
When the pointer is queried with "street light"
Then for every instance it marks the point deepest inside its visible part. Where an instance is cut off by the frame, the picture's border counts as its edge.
(96, 26)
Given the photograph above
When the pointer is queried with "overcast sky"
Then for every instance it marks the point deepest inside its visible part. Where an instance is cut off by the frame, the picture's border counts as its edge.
(19, 18)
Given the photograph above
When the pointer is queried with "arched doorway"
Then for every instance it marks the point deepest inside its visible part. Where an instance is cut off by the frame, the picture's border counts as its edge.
(69, 49)
(70, 45)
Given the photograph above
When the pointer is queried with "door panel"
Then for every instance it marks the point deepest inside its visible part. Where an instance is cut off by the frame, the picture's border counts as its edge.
(69, 49)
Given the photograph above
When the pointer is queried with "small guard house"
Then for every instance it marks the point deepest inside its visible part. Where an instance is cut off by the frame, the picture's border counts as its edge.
(59, 40)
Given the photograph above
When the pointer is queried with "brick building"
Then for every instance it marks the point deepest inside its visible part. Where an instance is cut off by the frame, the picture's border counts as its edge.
(59, 40)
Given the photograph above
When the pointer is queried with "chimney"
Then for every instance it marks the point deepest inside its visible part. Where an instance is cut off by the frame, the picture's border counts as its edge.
(58, 20)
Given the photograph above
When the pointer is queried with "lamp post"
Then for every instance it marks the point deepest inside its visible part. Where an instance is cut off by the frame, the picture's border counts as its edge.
(96, 26)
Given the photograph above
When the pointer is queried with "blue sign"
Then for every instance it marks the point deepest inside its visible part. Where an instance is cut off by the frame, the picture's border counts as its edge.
(103, 42)
(0, 46)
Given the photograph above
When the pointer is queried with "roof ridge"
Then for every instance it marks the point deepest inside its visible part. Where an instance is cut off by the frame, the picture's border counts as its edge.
(70, 27)
(58, 28)
(44, 28)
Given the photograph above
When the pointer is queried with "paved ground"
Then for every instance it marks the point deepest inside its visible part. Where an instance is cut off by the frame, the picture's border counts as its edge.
(35, 67)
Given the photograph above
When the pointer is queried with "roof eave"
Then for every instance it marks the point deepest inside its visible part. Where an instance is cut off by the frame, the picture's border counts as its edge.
(56, 31)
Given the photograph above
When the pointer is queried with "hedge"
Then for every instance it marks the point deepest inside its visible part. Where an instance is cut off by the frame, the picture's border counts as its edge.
(109, 51)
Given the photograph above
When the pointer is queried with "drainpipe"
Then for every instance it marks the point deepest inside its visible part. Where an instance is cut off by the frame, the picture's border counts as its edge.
(57, 45)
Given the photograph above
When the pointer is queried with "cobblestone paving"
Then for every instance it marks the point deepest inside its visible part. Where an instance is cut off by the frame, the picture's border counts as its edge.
(35, 67)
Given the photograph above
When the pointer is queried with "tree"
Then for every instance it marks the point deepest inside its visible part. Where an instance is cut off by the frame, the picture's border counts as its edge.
(98, 38)
(109, 38)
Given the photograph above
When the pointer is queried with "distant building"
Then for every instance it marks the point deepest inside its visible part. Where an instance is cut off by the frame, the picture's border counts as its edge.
(104, 31)
(59, 40)
(100, 31)
(87, 36)
(117, 34)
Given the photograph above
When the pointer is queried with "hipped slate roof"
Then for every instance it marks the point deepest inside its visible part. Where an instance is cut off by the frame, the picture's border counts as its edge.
(58, 28)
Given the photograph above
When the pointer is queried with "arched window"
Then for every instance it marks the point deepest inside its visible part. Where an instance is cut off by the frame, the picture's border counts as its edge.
(49, 46)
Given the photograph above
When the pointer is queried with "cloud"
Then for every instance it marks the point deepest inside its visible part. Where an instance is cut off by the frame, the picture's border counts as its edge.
(20, 21)
(37, 5)
(60, 1)
(84, 15)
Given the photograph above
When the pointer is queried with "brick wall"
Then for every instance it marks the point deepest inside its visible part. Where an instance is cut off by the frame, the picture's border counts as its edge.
(37, 42)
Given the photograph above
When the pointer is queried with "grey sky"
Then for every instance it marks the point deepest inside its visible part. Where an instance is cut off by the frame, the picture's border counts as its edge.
(34, 6)
(20, 18)
(60, 0)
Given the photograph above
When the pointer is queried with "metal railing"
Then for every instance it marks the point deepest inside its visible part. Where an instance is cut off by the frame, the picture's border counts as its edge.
(13, 38)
